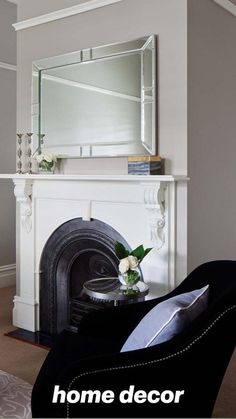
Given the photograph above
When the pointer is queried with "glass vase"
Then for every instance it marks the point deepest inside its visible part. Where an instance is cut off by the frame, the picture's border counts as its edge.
(129, 281)
(46, 167)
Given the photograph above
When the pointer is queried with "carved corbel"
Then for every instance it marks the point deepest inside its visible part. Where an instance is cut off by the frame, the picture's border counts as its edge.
(154, 199)
(23, 193)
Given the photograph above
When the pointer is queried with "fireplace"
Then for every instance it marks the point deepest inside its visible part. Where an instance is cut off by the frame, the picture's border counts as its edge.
(77, 251)
(148, 210)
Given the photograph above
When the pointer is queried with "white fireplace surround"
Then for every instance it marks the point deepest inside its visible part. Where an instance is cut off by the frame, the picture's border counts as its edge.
(143, 209)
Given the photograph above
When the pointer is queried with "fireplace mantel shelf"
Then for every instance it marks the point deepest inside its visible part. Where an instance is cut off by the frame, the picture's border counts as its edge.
(113, 178)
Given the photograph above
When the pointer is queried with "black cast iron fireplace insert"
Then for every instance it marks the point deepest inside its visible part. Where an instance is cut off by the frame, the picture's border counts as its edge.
(77, 251)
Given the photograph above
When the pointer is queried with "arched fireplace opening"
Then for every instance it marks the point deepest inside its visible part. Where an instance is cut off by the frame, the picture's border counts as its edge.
(77, 251)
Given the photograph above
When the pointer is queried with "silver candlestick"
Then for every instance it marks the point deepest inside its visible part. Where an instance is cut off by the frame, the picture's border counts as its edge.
(40, 143)
(29, 152)
(19, 153)
(42, 139)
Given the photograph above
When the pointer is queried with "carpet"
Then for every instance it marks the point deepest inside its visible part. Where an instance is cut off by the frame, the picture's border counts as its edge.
(15, 396)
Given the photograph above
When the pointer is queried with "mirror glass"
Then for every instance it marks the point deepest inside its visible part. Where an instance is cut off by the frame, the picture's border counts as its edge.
(97, 102)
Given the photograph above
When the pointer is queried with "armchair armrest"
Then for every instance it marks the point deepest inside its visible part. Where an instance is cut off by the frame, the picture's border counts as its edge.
(174, 366)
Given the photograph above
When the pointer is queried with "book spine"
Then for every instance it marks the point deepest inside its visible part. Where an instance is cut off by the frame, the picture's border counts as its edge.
(145, 168)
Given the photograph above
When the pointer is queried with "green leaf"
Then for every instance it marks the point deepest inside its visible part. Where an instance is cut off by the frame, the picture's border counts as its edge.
(121, 251)
(138, 252)
(147, 251)
(132, 277)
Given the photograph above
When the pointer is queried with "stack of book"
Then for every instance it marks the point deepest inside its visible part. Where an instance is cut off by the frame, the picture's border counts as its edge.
(145, 165)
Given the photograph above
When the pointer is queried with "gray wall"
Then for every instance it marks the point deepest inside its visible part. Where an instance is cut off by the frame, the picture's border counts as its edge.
(122, 21)
(212, 133)
(8, 13)
(129, 19)
(7, 132)
(211, 96)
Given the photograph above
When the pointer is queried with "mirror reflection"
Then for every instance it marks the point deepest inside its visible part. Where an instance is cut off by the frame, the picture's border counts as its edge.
(97, 102)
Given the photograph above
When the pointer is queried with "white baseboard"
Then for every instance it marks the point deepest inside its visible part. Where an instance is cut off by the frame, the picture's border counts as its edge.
(7, 275)
(7, 66)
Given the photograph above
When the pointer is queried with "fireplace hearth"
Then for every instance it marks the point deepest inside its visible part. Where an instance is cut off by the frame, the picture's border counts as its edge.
(77, 251)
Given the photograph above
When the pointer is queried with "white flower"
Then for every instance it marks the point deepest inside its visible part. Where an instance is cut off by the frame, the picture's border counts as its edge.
(39, 158)
(133, 262)
(124, 265)
(49, 158)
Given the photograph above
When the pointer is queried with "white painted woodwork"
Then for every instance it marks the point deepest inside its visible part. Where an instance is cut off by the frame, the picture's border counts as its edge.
(141, 208)
(62, 13)
(7, 275)
(228, 5)
(7, 66)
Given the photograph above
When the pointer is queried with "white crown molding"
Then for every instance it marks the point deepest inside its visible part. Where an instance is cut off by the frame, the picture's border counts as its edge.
(62, 13)
(228, 5)
(7, 66)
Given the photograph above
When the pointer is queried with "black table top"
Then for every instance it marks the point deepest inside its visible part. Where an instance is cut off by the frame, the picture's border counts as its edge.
(110, 289)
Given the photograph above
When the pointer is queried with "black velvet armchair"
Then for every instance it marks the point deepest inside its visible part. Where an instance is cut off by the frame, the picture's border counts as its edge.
(193, 361)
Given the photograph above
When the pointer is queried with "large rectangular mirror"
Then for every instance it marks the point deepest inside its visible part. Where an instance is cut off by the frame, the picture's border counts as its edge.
(97, 102)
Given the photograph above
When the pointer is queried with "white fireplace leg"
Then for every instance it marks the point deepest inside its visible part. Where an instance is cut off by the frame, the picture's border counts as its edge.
(25, 313)
(25, 304)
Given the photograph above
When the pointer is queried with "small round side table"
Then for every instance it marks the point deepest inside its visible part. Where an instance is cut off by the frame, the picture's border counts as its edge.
(110, 289)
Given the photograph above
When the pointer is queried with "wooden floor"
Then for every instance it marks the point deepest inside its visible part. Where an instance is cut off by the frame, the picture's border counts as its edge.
(24, 360)
(17, 358)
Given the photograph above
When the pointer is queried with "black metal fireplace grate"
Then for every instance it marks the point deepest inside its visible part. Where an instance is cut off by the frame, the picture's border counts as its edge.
(76, 252)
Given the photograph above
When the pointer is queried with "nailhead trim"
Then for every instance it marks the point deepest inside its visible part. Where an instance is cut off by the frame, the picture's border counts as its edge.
(141, 364)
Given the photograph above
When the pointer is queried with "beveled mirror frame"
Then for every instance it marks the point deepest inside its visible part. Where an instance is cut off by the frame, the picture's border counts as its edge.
(148, 97)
